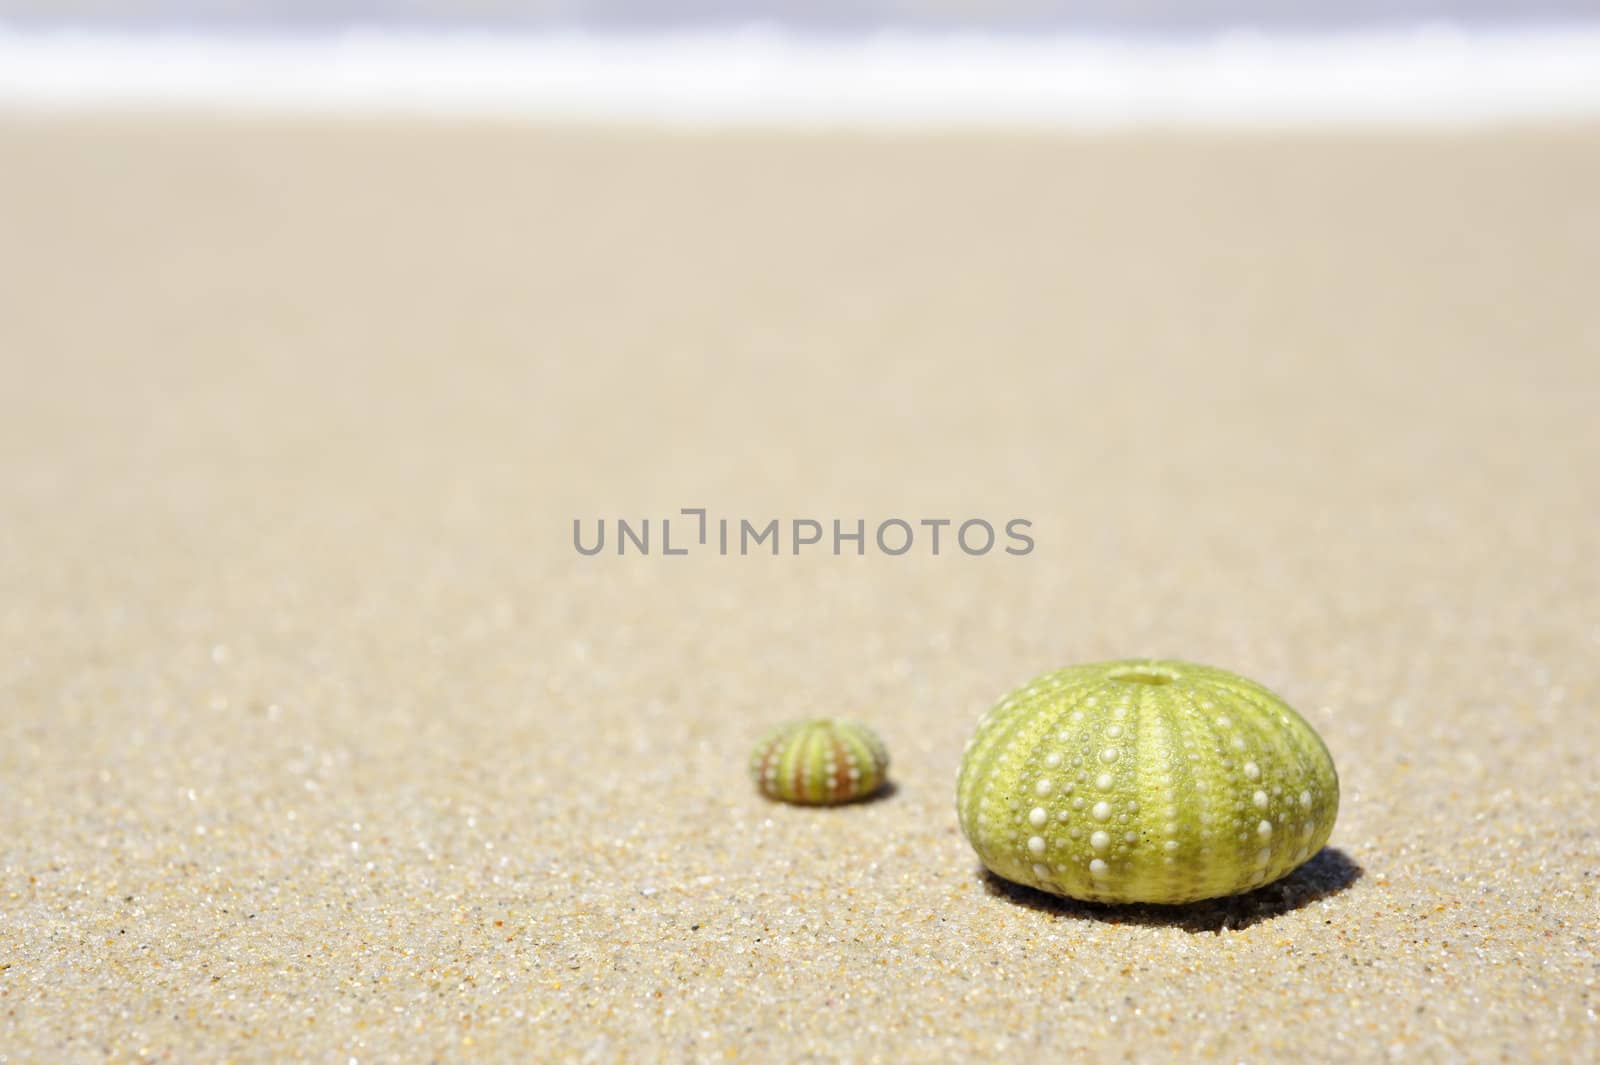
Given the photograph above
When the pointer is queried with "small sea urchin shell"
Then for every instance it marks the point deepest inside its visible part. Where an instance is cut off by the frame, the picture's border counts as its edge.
(1145, 781)
(819, 762)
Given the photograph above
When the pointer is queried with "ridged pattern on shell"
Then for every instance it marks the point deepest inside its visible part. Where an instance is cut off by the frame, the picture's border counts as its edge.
(1145, 780)
(819, 762)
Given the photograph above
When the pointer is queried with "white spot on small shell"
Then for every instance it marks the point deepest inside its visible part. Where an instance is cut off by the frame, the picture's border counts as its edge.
(1260, 799)
(1103, 781)
(1038, 816)
(1131, 836)
(1305, 799)
(1171, 844)
(1044, 787)
(1052, 759)
(1264, 830)
(1098, 868)
(1100, 841)
(1109, 755)
(1114, 731)
(1101, 811)
(1036, 844)
(1041, 871)
(1238, 743)
(1252, 771)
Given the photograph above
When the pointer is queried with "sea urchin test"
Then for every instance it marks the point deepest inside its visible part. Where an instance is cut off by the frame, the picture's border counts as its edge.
(821, 762)
(1145, 781)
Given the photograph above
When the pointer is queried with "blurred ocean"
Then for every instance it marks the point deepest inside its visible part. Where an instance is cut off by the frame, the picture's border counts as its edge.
(1088, 63)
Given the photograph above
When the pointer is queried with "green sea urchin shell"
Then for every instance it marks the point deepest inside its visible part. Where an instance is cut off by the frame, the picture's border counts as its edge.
(820, 762)
(1145, 780)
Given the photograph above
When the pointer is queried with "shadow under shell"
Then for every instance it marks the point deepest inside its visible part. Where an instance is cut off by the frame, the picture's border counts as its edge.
(1326, 873)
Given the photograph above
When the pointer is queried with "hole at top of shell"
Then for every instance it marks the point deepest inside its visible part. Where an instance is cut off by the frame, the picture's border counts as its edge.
(1143, 675)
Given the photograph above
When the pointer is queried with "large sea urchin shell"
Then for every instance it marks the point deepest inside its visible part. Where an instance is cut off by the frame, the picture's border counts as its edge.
(1145, 781)
(820, 762)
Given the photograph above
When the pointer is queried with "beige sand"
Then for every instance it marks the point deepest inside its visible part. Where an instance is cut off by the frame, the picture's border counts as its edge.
(320, 742)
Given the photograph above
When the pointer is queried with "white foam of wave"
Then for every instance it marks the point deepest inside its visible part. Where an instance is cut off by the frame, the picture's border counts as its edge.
(1427, 75)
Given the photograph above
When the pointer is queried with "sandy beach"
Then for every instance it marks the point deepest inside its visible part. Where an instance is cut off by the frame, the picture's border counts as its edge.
(320, 742)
